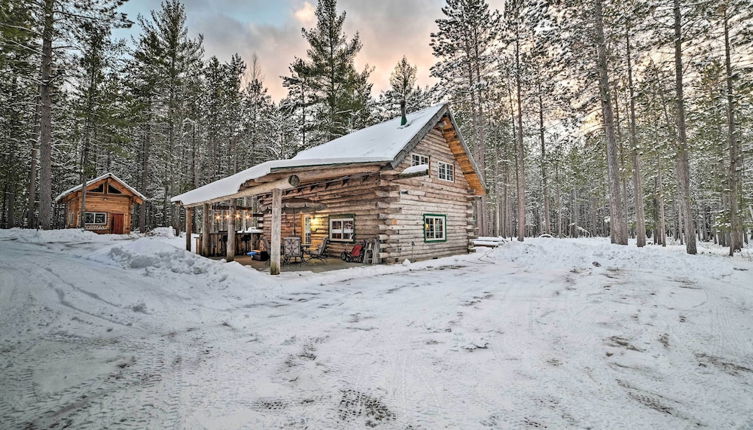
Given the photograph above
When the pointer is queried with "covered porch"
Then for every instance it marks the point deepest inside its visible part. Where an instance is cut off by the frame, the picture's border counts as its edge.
(279, 219)
(317, 266)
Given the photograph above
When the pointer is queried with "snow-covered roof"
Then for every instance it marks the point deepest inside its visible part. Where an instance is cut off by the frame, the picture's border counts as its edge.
(226, 187)
(97, 179)
(384, 140)
(380, 143)
(414, 170)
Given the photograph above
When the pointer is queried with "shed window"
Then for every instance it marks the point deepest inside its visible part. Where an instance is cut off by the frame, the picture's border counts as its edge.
(112, 190)
(95, 218)
(446, 171)
(342, 228)
(435, 228)
(418, 159)
(100, 189)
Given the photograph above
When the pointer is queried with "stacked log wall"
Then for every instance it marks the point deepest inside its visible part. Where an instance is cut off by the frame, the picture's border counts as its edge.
(402, 233)
(355, 196)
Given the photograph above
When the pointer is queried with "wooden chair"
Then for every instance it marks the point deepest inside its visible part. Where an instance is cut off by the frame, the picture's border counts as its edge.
(320, 253)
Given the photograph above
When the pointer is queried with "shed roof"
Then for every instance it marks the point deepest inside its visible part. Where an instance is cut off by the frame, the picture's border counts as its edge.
(387, 143)
(97, 179)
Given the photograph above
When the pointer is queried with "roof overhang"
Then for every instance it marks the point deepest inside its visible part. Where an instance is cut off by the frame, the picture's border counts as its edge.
(289, 177)
(139, 197)
(454, 138)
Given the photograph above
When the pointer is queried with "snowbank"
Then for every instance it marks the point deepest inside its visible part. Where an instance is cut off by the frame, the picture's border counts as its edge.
(55, 236)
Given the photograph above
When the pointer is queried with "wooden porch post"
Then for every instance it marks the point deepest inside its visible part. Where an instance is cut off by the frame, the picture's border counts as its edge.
(207, 221)
(231, 232)
(274, 264)
(189, 228)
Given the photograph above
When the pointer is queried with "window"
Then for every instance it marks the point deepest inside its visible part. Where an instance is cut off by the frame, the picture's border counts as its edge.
(435, 228)
(307, 229)
(95, 218)
(112, 190)
(100, 189)
(342, 228)
(418, 159)
(446, 171)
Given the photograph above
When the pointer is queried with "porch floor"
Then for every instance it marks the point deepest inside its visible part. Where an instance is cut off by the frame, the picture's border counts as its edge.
(315, 266)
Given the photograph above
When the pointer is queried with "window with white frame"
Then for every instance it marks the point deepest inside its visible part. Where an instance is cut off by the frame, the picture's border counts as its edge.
(418, 159)
(446, 171)
(342, 228)
(435, 228)
(95, 217)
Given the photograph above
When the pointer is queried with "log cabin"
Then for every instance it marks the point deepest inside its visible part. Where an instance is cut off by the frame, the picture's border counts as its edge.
(109, 205)
(408, 185)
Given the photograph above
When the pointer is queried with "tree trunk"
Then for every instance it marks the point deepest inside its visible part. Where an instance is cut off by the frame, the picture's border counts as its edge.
(146, 147)
(683, 165)
(520, 160)
(662, 224)
(640, 214)
(544, 190)
(616, 211)
(31, 190)
(735, 243)
(45, 118)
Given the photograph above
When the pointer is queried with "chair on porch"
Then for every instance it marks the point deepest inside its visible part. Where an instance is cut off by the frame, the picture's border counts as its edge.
(291, 250)
(320, 253)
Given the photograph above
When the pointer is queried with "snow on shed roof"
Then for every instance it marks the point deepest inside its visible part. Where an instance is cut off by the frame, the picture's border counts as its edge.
(382, 142)
(97, 179)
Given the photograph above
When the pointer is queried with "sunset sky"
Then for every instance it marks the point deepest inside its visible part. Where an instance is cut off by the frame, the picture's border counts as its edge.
(389, 29)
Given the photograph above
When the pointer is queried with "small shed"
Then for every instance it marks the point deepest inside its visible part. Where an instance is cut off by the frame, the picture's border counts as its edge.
(109, 204)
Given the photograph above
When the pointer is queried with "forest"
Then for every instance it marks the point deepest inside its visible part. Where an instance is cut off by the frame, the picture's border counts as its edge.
(627, 119)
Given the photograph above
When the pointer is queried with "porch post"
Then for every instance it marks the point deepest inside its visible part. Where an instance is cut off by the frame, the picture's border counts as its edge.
(207, 221)
(231, 232)
(189, 228)
(274, 264)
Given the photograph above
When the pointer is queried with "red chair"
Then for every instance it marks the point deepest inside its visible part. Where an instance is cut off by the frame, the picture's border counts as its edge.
(355, 255)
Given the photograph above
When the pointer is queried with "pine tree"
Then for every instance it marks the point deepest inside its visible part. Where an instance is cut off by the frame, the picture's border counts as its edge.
(464, 46)
(336, 89)
(56, 20)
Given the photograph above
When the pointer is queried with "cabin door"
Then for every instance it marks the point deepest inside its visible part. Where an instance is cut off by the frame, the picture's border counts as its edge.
(117, 223)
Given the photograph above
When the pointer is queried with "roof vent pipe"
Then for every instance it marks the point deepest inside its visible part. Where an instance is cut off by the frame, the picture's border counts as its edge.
(404, 119)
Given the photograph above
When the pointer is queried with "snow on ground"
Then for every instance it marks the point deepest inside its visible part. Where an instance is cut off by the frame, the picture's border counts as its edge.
(113, 332)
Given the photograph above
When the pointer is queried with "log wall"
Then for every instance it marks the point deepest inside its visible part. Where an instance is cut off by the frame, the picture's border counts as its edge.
(391, 208)
(97, 202)
(402, 233)
(359, 196)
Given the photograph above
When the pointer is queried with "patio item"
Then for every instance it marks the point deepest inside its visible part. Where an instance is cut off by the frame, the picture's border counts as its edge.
(355, 255)
(320, 253)
(291, 250)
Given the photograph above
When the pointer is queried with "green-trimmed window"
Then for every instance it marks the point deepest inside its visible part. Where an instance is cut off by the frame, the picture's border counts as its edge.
(435, 228)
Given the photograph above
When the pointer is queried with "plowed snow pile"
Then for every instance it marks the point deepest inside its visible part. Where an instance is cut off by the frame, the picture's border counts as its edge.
(134, 332)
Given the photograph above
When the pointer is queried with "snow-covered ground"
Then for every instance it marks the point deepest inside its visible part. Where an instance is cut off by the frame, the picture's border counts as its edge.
(112, 332)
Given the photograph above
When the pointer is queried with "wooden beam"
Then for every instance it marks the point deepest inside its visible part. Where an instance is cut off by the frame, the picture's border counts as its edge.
(207, 225)
(230, 245)
(274, 263)
(189, 228)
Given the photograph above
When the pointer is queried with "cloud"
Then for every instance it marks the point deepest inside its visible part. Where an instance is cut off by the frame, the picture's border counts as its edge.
(306, 14)
(388, 29)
